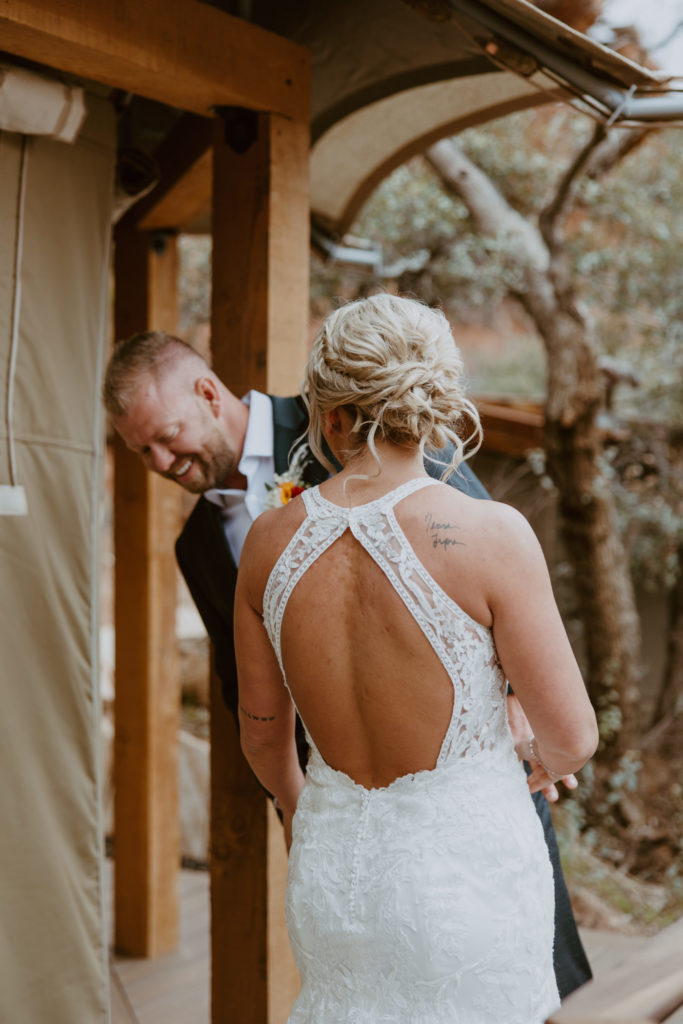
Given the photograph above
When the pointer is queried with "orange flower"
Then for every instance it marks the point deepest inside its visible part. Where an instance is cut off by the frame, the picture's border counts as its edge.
(289, 490)
(286, 486)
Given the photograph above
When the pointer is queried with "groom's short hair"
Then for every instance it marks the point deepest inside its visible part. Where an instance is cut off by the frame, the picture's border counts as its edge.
(149, 353)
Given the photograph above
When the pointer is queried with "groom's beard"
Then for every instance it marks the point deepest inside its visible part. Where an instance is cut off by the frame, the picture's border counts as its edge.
(208, 469)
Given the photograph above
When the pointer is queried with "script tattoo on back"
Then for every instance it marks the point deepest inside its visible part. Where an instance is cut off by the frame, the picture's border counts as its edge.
(438, 533)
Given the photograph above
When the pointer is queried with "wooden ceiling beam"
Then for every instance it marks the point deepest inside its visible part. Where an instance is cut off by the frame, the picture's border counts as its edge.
(186, 201)
(183, 192)
(182, 53)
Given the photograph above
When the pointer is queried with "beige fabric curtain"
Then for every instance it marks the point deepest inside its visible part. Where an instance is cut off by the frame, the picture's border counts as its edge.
(53, 953)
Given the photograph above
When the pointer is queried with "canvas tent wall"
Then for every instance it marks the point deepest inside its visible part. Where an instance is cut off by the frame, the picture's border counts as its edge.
(55, 208)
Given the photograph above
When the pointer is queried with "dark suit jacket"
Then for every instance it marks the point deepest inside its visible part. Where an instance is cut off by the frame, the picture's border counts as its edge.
(211, 574)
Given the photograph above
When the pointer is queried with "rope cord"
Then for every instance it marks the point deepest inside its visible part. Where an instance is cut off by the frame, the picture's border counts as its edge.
(16, 307)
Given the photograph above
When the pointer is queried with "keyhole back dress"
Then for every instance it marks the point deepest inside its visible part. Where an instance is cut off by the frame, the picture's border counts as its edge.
(429, 900)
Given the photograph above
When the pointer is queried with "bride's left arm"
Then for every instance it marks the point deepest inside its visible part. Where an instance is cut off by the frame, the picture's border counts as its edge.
(266, 713)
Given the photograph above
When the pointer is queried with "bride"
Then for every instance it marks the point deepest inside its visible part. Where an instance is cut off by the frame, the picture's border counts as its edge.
(390, 609)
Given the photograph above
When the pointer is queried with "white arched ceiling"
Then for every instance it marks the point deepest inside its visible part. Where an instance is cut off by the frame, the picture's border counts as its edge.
(355, 154)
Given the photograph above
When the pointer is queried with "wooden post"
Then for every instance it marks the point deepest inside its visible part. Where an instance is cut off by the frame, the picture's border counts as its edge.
(259, 340)
(259, 315)
(147, 703)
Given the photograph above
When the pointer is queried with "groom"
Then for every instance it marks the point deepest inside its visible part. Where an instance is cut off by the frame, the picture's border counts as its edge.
(174, 412)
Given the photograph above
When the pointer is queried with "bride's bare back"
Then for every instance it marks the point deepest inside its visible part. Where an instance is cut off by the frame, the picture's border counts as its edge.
(367, 682)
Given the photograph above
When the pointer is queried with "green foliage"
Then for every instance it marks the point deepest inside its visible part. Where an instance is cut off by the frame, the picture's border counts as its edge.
(527, 173)
(646, 474)
(410, 212)
(413, 211)
(624, 778)
(626, 250)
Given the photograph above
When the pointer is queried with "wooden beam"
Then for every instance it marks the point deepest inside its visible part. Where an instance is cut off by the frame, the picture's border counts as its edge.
(183, 191)
(239, 884)
(260, 253)
(188, 200)
(180, 52)
(147, 700)
(259, 326)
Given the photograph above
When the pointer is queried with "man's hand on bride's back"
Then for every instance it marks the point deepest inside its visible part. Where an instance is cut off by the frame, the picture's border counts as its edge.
(521, 734)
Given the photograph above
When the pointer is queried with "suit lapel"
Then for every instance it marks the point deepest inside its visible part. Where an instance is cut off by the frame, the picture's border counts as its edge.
(290, 422)
(221, 563)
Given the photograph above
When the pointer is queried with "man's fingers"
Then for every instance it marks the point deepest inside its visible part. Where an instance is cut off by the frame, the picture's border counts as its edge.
(539, 781)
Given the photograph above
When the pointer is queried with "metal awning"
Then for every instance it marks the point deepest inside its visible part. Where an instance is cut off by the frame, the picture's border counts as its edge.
(517, 35)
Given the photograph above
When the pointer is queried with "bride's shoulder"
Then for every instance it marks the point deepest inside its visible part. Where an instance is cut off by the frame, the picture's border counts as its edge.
(508, 550)
(498, 515)
(500, 527)
(268, 536)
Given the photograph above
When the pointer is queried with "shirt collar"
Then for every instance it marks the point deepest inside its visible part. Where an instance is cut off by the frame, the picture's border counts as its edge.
(258, 440)
(258, 446)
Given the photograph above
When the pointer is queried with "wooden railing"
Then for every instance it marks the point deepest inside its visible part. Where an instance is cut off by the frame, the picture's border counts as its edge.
(646, 987)
(511, 427)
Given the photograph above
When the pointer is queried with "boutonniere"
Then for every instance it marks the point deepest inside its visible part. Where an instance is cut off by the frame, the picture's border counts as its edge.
(286, 486)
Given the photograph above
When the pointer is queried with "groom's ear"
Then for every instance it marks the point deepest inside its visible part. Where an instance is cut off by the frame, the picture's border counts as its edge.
(206, 389)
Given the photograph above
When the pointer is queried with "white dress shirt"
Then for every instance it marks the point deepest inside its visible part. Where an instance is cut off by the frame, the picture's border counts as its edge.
(240, 508)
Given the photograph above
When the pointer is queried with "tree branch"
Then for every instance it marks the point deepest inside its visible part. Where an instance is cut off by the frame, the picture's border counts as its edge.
(603, 151)
(618, 144)
(550, 215)
(416, 264)
(492, 214)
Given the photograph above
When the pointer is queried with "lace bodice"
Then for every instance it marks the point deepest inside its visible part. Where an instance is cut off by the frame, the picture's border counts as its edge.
(464, 647)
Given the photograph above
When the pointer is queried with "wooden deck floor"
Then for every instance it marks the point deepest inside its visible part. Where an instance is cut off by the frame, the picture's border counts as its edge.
(174, 989)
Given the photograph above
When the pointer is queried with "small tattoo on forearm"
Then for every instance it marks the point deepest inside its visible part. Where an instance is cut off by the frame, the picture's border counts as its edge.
(437, 532)
(257, 718)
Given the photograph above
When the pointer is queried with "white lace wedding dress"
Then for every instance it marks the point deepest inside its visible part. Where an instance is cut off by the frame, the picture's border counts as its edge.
(429, 900)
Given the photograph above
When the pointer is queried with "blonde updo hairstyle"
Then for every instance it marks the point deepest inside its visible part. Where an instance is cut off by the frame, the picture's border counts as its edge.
(393, 364)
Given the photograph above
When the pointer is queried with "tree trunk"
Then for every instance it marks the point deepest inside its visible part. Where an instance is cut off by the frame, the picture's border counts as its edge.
(672, 685)
(588, 522)
(587, 515)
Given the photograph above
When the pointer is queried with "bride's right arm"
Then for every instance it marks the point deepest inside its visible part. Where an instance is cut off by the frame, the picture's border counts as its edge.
(266, 712)
(534, 650)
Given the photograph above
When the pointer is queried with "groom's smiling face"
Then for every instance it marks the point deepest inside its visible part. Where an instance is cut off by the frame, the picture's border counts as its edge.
(173, 424)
